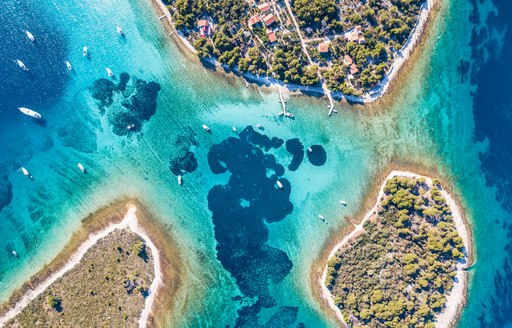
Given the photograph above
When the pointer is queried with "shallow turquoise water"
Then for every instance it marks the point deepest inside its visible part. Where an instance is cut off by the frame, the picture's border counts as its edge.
(430, 124)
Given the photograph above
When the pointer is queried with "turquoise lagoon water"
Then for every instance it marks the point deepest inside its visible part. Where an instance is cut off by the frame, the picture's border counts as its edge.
(431, 123)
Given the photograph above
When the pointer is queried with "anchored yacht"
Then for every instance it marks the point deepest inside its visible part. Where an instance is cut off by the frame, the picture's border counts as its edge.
(310, 149)
(119, 30)
(14, 254)
(30, 112)
(68, 65)
(30, 36)
(85, 51)
(279, 184)
(321, 217)
(206, 128)
(81, 167)
(235, 130)
(109, 72)
(342, 202)
(25, 172)
(21, 65)
(180, 180)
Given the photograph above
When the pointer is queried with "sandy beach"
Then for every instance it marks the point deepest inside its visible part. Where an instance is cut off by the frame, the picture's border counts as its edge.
(457, 297)
(376, 93)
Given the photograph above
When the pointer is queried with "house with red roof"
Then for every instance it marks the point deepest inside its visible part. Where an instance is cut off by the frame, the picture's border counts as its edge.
(264, 7)
(253, 21)
(204, 28)
(323, 48)
(271, 35)
(269, 19)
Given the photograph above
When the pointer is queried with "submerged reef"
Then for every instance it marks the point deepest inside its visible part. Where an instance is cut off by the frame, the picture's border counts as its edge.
(241, 210)
(317, 156)
(183, 159)
(129, 103)
(296, 148)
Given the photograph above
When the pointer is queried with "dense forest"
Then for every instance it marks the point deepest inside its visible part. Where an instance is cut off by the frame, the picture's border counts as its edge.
(398, 272)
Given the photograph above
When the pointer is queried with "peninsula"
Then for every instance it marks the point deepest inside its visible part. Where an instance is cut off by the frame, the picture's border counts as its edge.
(121, 267)
(343, 48)
(403, 265)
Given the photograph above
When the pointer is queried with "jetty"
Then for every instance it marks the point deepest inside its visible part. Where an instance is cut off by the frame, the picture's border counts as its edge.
(331, 101)
(282, 101)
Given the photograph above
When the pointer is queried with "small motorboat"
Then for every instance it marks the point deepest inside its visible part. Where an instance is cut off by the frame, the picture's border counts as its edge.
(109, 72)
(14, 254)
(30, 36)
(131, 126)
(85, 51)
(310, 149)
(119, 30)
(235, 130)
(342, 202)
(68, 65)
(25, 172)
(21, 65)
(206, 128)
(260, 126)
(30, 112)
(321, 217)
(81, 167)
(180, 180)
(279, 184)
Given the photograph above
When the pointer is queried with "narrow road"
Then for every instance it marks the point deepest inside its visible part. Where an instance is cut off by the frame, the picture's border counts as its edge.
(305, 49)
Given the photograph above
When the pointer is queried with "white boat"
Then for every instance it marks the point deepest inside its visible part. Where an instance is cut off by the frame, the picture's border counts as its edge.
(235, 130)
(25, 172)
(259, 126)
(180, 180)
(206, 128)
(109, 72)
(68, 65)
(131, 126)
(279, 184)
(29, 112)
(321, 217)
(81, 167)
(30, 36)
(85, 51)
(342, 202)
(310, 149)
(119, 30)
(288, 114)
(21, 65)
(14, 253)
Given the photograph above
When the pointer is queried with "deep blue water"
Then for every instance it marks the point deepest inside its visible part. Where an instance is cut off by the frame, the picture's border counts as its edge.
(491, 74)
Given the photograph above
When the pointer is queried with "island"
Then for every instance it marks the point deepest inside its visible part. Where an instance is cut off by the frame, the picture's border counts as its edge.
(340, 48)
(404, 264)
(121, 267)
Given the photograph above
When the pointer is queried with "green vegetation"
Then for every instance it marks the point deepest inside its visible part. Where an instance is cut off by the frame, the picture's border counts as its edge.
(109, 282)
(398, 271)
(54, 302)
(369, 32)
